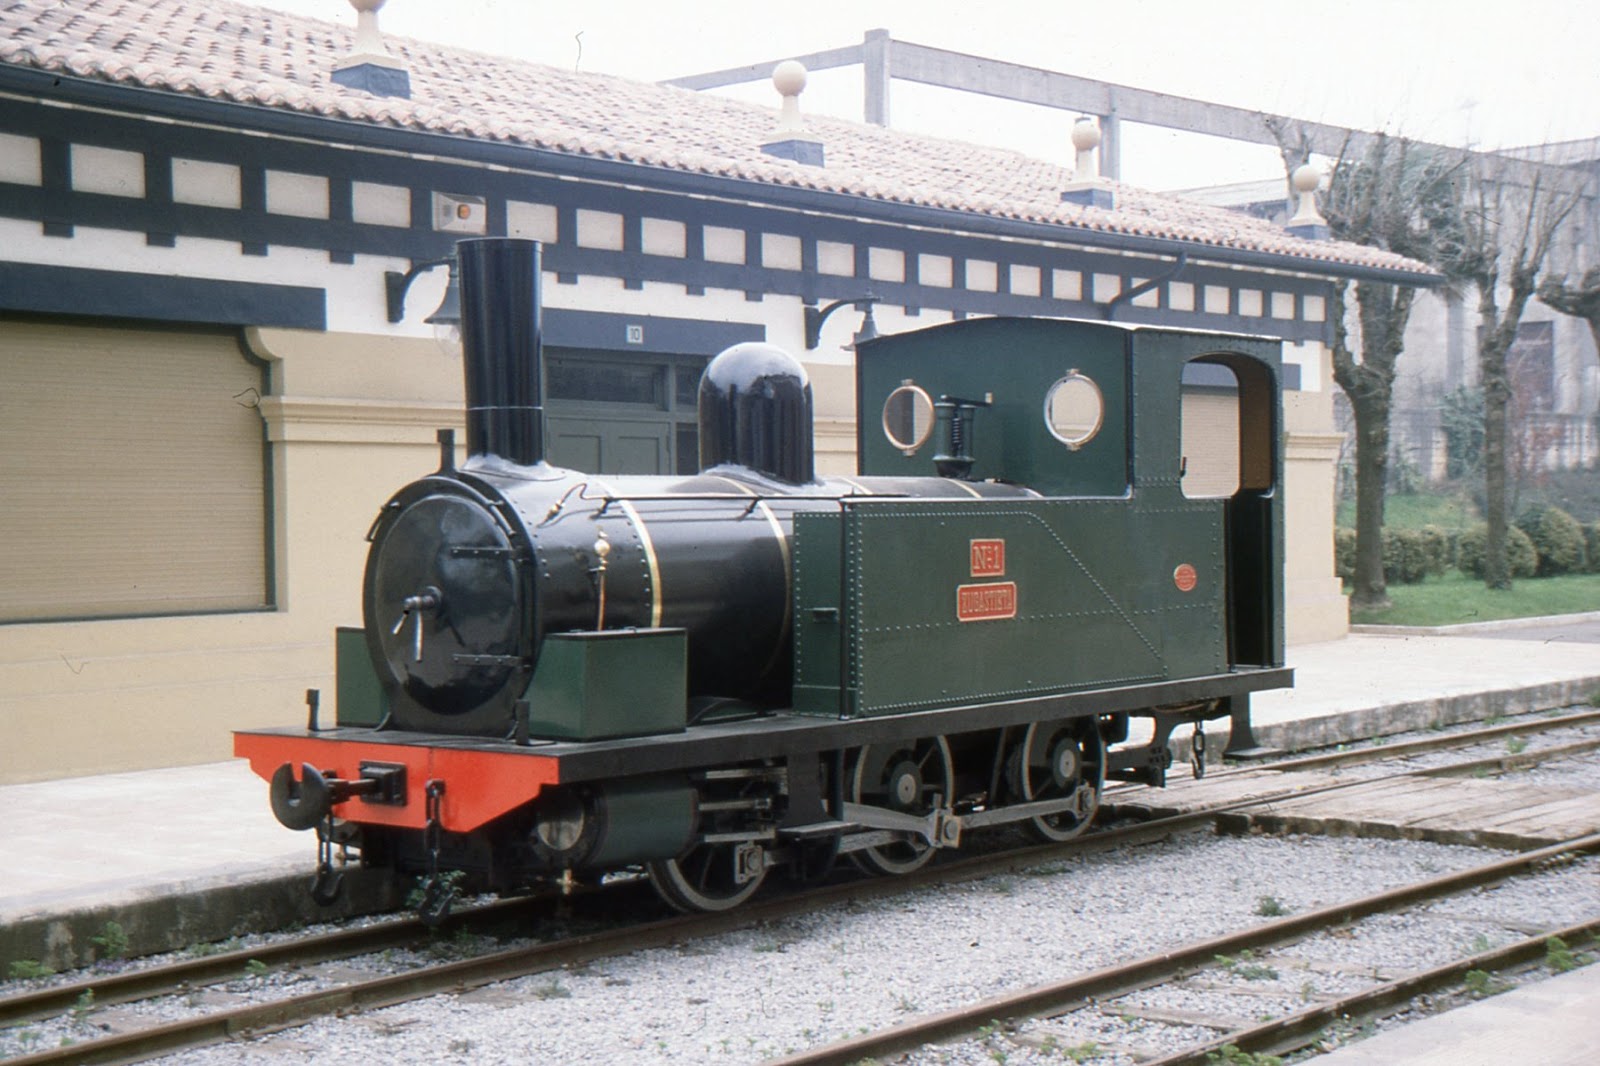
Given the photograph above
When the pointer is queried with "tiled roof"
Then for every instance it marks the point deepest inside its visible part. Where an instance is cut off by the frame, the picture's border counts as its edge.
(234, 52)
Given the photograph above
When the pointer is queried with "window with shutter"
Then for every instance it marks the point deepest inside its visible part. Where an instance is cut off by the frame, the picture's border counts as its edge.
(133, 473)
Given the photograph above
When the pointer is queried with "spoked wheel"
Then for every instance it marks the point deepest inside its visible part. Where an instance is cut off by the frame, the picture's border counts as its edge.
(911, 776)
(1060, 760)
(709, 877)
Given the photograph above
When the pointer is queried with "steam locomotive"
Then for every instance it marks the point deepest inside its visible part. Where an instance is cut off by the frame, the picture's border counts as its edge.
(562, 675)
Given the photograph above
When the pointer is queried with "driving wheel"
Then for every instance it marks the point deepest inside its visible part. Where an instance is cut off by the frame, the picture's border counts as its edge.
(912, 777)
(1060, 760)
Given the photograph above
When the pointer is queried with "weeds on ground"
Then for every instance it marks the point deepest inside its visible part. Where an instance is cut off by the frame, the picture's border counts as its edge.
(216, 947)
(28, 969)
(82, 1006)
(1481, 984)
(1230, 1055)
(1560, 958)
(1516, 746)
(112, 941)
(1244, 965)
(1271, 907)
(552, 989)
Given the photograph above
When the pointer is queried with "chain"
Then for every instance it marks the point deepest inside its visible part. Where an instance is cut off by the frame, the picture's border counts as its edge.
(1197, 750)
(437, 892)
(326, 885)
(433, 833)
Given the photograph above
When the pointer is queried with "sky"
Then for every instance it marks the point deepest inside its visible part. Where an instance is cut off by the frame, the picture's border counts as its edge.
(1469, 72)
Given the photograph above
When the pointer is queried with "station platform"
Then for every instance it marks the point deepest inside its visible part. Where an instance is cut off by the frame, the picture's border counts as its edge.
(188, 854)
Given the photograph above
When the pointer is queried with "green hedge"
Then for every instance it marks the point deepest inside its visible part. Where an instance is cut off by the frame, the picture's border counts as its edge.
(1557, 537)
(1405, 556)
(1523, 557)
(1438, 549)
(1344, 553)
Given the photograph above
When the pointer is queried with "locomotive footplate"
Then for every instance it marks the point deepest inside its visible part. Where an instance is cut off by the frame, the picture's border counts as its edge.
(505, 775)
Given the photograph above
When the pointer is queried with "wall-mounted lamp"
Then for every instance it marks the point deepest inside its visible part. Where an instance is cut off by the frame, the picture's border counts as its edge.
(815, 317)
(396, 284)
(446, 318)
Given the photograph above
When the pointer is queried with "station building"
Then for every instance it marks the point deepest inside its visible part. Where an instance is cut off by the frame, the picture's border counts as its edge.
(218, 231)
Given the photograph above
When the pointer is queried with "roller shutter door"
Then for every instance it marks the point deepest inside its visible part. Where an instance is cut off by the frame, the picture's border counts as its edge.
(132, 473)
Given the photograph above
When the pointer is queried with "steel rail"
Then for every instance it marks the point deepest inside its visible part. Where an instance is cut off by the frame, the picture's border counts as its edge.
(1442, 742)
(153, 981)
(1522, 760)
(156, 981)
(1300, 1029)
(1113, 981)
(498, 966)
(1401, 749)
(516, 962)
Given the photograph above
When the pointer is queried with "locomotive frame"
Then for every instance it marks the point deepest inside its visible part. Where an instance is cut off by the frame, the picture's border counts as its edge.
(561, 676)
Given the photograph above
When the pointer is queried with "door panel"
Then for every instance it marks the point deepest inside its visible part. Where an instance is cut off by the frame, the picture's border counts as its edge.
(610, 447)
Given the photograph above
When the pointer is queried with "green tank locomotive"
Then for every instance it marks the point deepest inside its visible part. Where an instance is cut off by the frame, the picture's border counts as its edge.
(708, 678)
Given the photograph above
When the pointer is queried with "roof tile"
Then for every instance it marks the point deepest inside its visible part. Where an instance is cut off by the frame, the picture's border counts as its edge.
(223, 50)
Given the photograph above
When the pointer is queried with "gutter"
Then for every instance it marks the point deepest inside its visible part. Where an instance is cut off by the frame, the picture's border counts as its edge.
(321, 129)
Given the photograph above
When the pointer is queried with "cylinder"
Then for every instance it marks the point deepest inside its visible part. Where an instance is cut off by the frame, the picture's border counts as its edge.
(500, 345)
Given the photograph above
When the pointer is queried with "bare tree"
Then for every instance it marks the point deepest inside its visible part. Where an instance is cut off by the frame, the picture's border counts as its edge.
(1402, 197)
(1505, 241)
(1580, 300)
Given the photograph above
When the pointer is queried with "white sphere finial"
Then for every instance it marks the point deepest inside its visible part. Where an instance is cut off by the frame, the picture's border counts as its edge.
(1086, 138)
(1307, 220)
(1085, 134)
(789, 78)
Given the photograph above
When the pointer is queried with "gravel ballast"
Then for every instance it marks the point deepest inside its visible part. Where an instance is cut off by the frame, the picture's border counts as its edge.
(788, 985)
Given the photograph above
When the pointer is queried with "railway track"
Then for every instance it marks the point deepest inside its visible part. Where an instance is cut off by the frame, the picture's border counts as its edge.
(254, 1018)
(1101, 989)
(1443, 742)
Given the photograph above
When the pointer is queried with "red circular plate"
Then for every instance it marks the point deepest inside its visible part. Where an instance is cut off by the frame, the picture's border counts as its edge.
(1185, 578)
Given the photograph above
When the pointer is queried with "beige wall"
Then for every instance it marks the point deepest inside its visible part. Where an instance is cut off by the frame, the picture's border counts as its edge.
(351, 419)
(833, 398)
(1316, 608)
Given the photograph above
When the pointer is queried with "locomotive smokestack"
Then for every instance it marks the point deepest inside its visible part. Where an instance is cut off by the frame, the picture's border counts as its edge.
(501, 356)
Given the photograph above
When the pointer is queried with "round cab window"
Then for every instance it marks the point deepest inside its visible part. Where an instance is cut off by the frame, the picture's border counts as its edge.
(1074, 409)
(908, 417)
